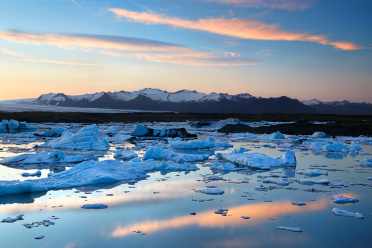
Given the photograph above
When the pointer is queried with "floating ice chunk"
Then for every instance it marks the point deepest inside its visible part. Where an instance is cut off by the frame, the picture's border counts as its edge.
(292, 229)
(2, 129)
(277, 135)
(355, 148)
(198, 145)
(339, 212)
(312, 173)
(142, 131)
(276, 181)
(320, 135)
(299, 203)
(172, 166)
(36, 173)
(56, 131)
(86, 139)
(366, 162)
(14, 126)
(159, 153)
(86, 173)
(260, 188)
(212, 191)
(369, 178)
(335, 147)
(223, 167)
(259, 160)
(40, 237)
(11, 220)
(317, 145)
(215, 178)
(42, 158)
(343, 199)
(125, 154)
(94, 206)
(308, 181)
(245, 217)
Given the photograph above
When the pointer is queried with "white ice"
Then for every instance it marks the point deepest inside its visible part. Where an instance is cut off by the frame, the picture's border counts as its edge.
(345, 213)
(125, 154)
(312, 173)
(94, 206)
(259, 160)
(343, 199)
(292, 229)
(212, 191)
(308, 181)
(86, 139)
(198, 144)
(159, 153)
(42, 158)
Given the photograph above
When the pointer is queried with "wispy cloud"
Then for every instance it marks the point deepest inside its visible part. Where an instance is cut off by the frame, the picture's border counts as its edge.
(56, 62)
(127, 46)
(235, 27)
(272, 4)
(74, 2)
(11, 53)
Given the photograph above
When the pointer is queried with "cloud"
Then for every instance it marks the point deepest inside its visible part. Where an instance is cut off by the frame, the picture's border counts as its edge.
(57, 62)
(11, 53)
(272, 4)
(235, 27)
(150, 50)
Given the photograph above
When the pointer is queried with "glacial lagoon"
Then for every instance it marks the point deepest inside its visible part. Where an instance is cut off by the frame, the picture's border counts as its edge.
(168, 208)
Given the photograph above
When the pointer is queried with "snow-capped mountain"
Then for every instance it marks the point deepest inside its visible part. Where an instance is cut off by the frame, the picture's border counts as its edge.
(192, 101)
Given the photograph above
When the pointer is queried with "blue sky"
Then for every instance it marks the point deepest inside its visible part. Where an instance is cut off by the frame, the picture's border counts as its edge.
(302, 49)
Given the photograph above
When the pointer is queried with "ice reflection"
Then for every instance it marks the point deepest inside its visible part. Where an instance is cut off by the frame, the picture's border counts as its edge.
(208, 219)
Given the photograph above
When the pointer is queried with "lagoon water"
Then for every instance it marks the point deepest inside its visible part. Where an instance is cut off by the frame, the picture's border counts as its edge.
(155, 212)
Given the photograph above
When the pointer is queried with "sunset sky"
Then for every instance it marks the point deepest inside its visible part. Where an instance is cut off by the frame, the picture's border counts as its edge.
(303, 49)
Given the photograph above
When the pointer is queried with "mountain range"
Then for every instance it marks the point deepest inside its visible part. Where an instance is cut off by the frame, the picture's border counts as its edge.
(192, 101)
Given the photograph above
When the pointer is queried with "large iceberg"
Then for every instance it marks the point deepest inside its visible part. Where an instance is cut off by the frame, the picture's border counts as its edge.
(259, 160)
(42, 158)
(86, 139)
(89, 173)
(159, 153)
(14, 126)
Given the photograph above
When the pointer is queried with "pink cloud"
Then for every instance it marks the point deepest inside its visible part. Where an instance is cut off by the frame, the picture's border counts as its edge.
(235, 27)
(11, 53)
(272, 4)
(144, 49)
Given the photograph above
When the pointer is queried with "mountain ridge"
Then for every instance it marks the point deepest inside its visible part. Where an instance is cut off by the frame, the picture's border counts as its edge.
(193, 101)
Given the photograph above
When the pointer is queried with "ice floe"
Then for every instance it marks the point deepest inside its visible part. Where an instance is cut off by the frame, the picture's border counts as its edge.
(11, 220)
(343, 199)
(340, 212)
(292, 229)
(142, 131)
(56, 156)
(159, 153)
(259, 160)
(27, 174)
(94, 206)
(212, 191)
(125, 154)
(86, 139)
(224, 166)
(312, 173)
(309, 181)
(320, 135)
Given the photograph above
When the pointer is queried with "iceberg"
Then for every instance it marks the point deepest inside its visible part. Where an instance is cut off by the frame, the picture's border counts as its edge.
(259, 160)
(335, 147)
(14, 126)
(224, 167)
(278, 182)
(320, 135)
(42, 158)
(292, 229)
(366, 162)
(198, 144)
(312, 173)
(308, 181)
(277, 135)
(56, 131)
(342, 199)
(86, 139)
(159, 153)
(125, 154)
(11, 220)
(94, 206)
(340, 212)
(212, 191)
(142, 131)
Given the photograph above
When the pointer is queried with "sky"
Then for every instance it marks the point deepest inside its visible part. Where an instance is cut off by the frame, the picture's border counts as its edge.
(303, 49)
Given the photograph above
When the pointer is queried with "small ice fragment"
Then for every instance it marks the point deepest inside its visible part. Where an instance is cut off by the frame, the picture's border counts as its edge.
(298, 203)
(339, 212)
(26, 174)
(308, 181)
(245, 217)
(260, 188)
(292, 229)
(192, 213)
(212, 191)
(369, 178)
(215, 178)
(94, 206)
(343, 199)
(11, 220)
(40, 237)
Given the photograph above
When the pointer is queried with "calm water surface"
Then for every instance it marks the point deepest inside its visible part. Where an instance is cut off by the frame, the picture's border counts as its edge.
(156, 212)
